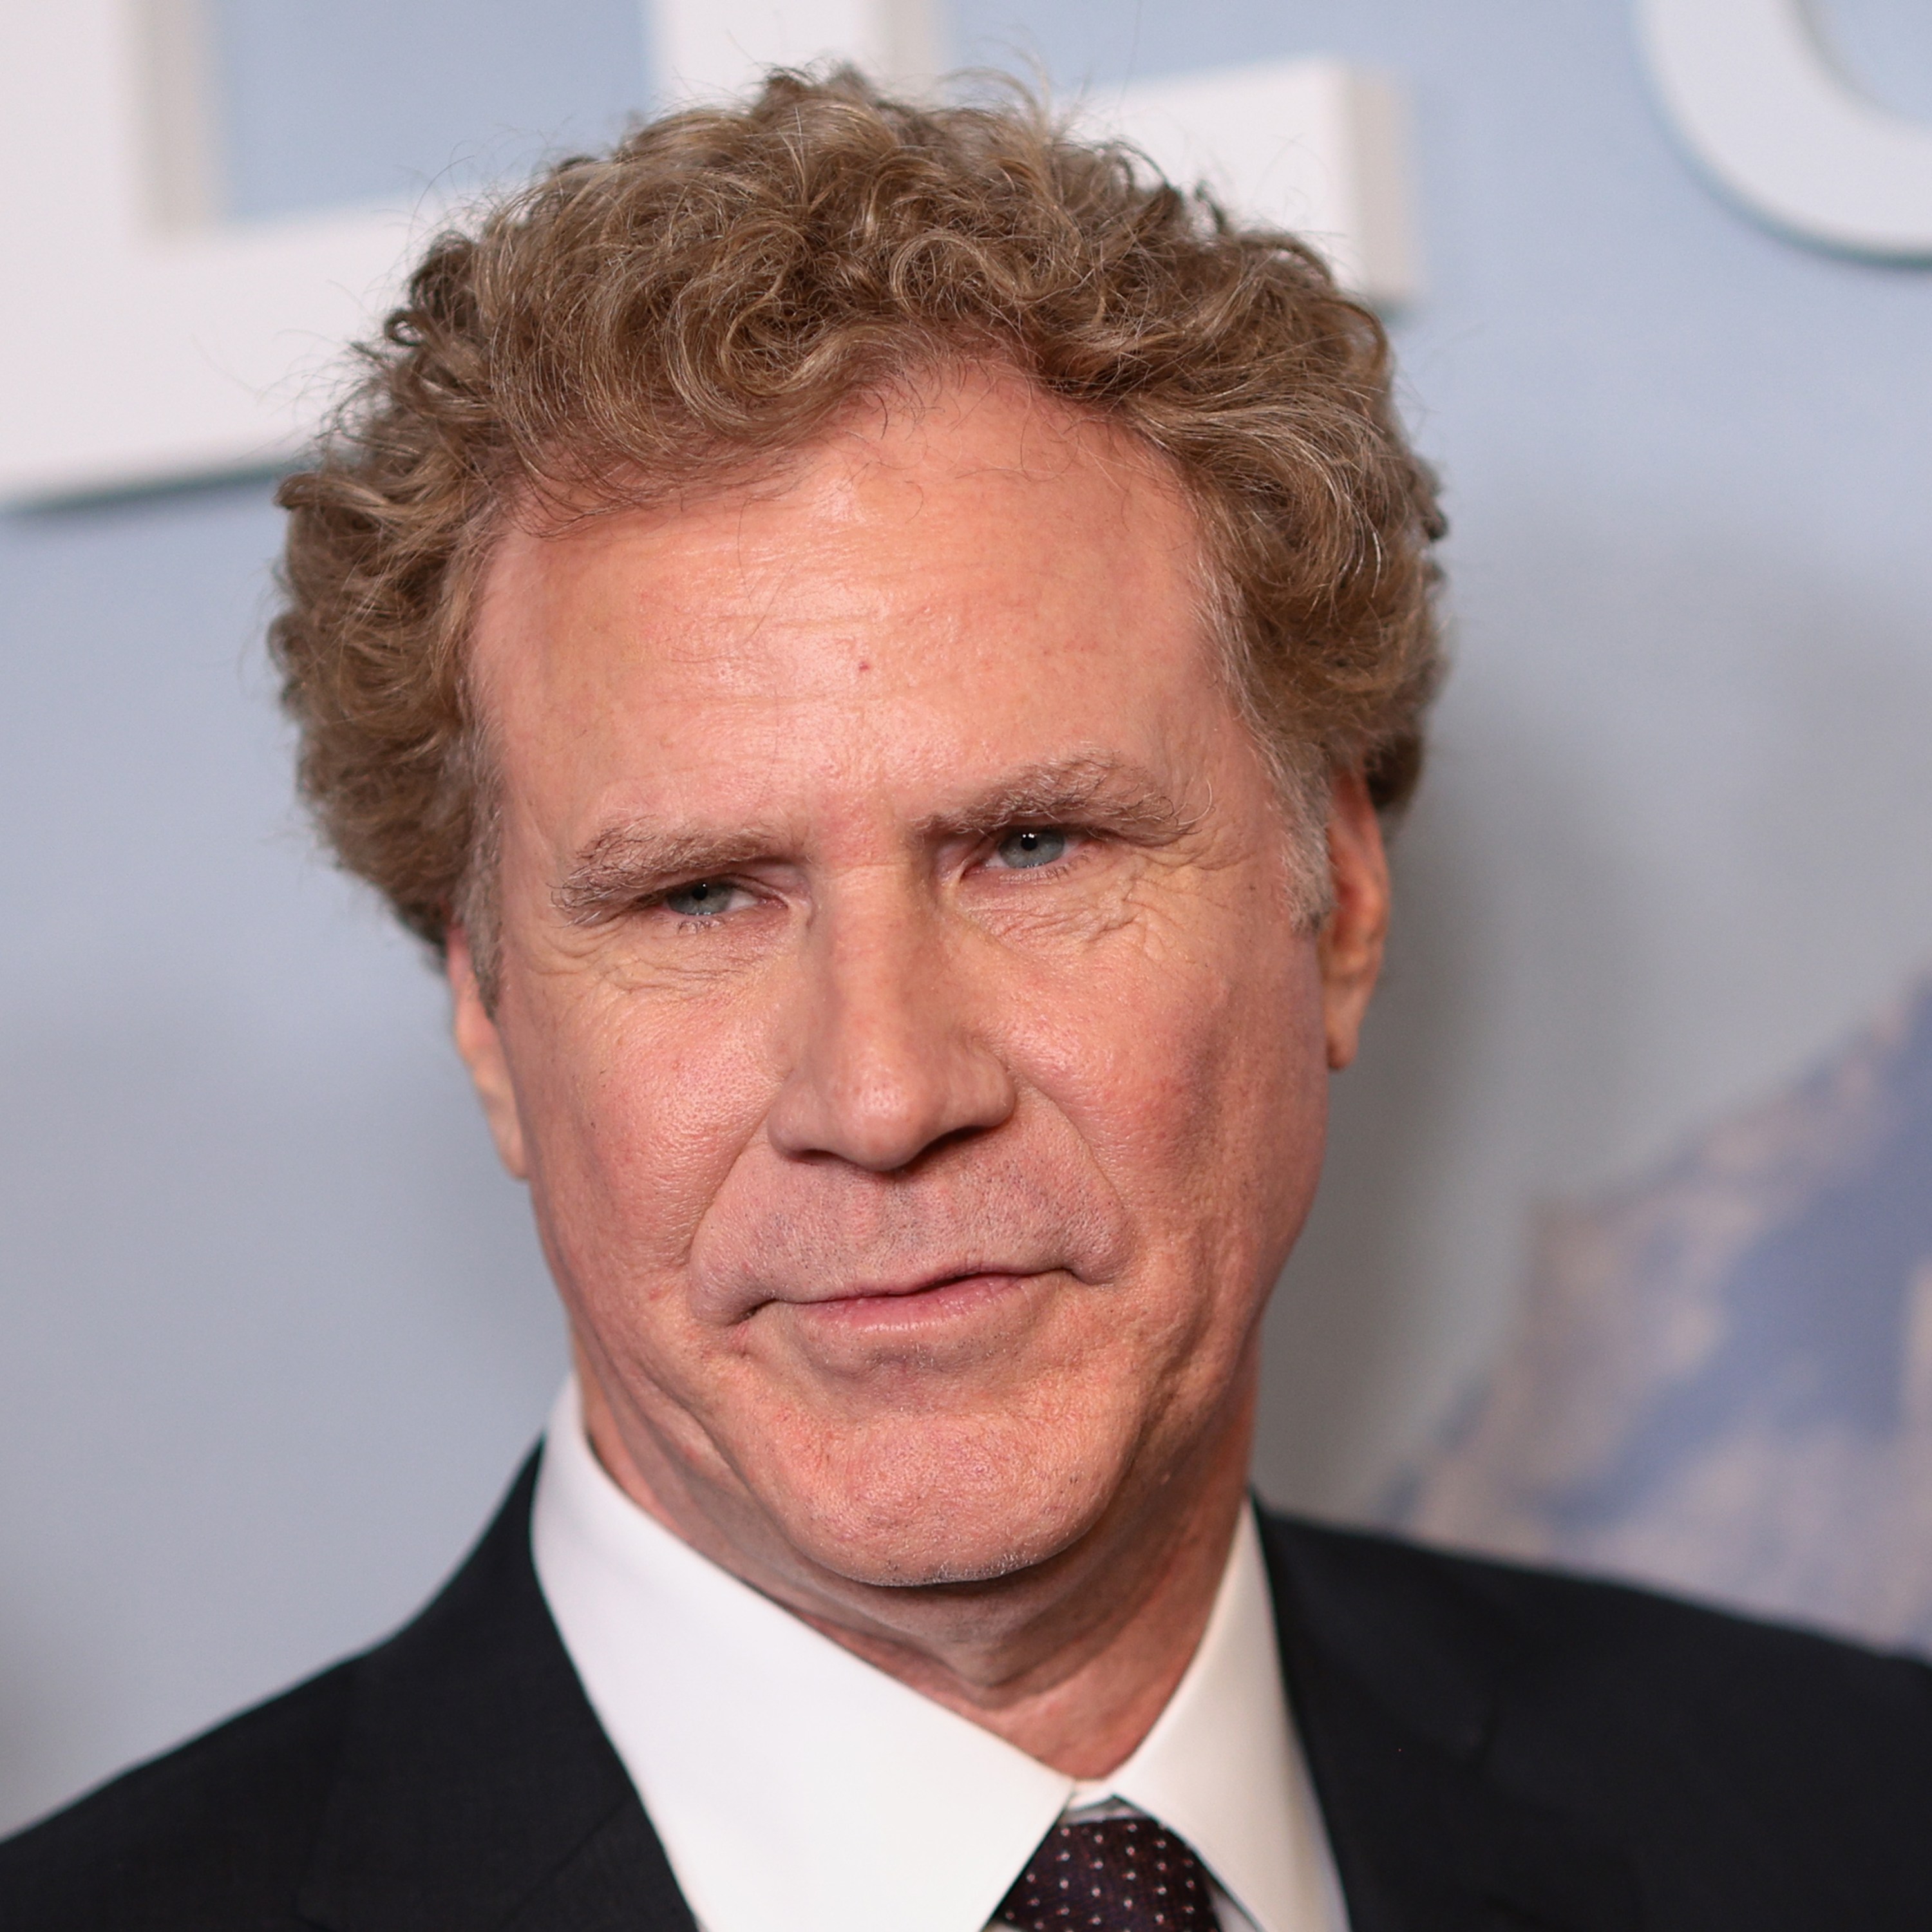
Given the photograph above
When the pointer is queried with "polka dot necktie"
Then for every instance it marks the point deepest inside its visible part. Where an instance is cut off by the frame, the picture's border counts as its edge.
(1114, 1875)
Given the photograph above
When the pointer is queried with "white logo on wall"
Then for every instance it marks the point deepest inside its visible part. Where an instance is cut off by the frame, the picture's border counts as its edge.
(1755, 96)
(160, 341)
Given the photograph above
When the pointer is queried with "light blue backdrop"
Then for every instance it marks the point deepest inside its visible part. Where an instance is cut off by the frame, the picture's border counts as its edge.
(274, 1332)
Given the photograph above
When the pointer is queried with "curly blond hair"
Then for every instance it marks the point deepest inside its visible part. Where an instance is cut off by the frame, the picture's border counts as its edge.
(702, 301)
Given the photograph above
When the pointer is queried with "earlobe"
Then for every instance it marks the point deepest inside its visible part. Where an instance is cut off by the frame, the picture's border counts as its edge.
(1353, 935)
(481, 1047)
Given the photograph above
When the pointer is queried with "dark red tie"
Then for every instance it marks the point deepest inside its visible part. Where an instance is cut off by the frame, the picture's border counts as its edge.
(1115, 1875)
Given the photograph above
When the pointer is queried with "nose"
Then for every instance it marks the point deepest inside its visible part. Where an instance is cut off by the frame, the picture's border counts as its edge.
(886, 1064)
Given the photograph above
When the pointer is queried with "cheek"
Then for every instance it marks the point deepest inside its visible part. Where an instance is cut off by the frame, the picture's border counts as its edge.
(634, 1115)
(1200, 1085)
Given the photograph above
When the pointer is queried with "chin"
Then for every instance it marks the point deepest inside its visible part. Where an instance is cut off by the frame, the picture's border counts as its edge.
(924, 1505)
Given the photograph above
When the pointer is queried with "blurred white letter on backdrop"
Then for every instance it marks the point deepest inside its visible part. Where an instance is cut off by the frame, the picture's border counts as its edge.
(1754, 93)
(143, 338)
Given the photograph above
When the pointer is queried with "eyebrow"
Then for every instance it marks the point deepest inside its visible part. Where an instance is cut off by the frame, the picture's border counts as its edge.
(1092, 790)
(627, 863)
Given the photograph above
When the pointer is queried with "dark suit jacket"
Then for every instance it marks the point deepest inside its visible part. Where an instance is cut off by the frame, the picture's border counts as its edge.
(1493, 1747)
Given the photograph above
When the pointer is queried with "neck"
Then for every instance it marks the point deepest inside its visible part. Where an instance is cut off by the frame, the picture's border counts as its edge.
(1072, 1660)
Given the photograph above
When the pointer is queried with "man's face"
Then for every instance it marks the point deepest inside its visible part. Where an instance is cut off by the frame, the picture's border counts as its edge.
(906, 1024)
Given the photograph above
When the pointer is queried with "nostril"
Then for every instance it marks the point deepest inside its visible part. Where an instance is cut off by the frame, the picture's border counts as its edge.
(889, 1127)
(953, 1138)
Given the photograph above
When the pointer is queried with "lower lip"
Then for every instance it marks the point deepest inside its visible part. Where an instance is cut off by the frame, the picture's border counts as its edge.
(945, 1302)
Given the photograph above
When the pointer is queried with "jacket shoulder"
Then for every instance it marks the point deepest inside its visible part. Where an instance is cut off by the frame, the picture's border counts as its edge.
(1545, 1629)
(1712, 1742)
(212, 1836)
(434, 1781)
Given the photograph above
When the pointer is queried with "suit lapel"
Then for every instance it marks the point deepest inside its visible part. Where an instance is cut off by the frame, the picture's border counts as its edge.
(616, 1880)
(476, 1788)
(1397, 1682)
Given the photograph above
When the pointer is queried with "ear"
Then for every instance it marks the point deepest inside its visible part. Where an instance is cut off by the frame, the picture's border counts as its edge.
(481, 1047)
(1349, 946)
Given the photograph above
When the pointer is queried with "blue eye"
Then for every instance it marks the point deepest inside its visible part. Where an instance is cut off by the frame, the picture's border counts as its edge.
(703, 898)
(1031, 846)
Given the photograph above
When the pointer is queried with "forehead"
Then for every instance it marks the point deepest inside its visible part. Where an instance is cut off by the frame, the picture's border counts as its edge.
(974, 574)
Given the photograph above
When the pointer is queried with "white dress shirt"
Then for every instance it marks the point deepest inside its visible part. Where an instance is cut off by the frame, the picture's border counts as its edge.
(796, 1788)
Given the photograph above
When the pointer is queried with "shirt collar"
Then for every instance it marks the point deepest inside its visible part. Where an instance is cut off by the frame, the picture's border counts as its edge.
(793, 1783)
